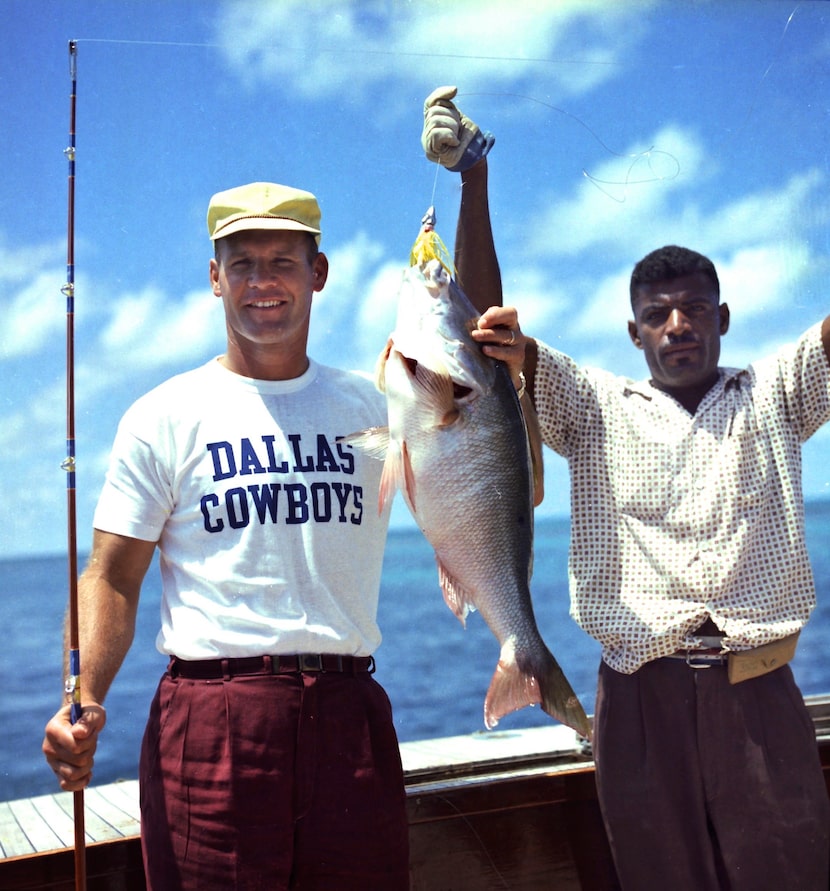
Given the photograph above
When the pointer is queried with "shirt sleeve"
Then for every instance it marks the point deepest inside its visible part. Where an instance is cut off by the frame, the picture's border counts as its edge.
(137, 496)
(565, 398)
(802, 381)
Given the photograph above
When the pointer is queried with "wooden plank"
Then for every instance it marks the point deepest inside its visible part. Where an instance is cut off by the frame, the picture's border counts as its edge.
(115, 813)
(124, 793)
(96, 827)
(473, 753)
(13, 840)
(40, 834)
(57, 812)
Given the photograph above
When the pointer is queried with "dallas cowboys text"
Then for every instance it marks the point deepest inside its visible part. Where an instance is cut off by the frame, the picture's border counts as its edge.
(275, 502)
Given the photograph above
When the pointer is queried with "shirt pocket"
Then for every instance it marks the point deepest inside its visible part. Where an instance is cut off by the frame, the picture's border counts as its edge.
(745, 468)
(642, 476)
(746, 455)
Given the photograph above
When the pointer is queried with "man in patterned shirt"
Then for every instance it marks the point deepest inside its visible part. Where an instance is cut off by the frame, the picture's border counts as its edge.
(688, 564)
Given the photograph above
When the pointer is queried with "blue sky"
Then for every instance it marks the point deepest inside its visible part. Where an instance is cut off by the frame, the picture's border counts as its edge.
(619, 127)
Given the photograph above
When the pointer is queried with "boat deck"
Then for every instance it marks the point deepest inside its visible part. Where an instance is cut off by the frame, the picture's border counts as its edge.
(45, 823)
(511, 809)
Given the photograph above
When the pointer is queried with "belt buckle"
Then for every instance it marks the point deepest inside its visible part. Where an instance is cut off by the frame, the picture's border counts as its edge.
(697, 662)
(310, 662)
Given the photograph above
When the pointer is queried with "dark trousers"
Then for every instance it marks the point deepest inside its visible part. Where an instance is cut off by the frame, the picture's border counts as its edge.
(273, 782)
(705, 785)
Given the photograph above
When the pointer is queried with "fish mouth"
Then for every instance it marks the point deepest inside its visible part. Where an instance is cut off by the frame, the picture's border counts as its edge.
(459, 391)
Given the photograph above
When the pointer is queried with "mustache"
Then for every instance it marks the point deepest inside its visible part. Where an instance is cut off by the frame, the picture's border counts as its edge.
(680, 339)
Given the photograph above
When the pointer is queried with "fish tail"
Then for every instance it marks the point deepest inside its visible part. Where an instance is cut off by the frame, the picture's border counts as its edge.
(517, 683)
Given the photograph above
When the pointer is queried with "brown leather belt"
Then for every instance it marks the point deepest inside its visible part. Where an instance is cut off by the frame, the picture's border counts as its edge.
(213, 669)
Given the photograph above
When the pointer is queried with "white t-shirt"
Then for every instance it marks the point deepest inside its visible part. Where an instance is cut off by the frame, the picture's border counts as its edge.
(267, 527)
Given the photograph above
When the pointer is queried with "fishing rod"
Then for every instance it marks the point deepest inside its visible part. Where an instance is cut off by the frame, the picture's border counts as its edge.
(73, 680)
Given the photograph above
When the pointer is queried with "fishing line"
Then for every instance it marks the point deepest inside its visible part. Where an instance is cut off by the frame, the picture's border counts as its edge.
(773, 61)
(435, 184)
(635, 157)
(650, 156)
(360, 51)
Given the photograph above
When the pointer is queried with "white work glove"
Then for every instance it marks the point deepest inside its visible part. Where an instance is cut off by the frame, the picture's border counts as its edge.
(449, 137)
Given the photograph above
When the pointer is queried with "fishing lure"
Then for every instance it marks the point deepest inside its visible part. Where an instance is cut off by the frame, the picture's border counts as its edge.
(429, 246)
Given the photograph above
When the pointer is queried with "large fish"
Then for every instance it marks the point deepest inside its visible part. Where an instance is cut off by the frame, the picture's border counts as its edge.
(457, 448)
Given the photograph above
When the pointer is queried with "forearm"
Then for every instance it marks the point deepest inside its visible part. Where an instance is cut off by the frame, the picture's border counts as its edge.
(476, 263)
(108, 594)
(106, 627)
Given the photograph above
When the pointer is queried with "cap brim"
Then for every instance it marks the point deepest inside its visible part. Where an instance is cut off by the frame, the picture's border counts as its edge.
(275, 224)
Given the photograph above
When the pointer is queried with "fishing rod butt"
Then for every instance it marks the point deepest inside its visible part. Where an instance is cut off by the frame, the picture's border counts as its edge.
(80, 840)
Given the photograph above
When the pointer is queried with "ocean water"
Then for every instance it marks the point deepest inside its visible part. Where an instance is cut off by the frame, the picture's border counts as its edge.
(435, 672)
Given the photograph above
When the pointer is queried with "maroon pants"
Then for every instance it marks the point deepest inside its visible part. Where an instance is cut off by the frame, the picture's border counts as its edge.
(706, 785)
(272, 782)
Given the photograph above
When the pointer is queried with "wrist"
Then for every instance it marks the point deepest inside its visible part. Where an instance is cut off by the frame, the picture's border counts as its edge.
(479, 146)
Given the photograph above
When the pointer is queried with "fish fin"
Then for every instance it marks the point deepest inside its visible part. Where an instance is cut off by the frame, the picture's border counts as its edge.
(455, 596)
(373, 441)
(437, 388)
(396, 474)
(408, 476)
(517, 683)
(376, 443)
(388, 481)
(380, 365)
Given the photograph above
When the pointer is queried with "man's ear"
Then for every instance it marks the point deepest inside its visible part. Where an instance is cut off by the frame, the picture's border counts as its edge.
(320, 271)
(634, 335)
(723, 309)
(214, 277)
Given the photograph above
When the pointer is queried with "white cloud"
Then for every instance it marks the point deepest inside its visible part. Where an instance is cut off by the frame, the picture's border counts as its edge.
(542, 303)
(606, 311)
(187, 330)
(31, 301)
(33, 316)
(351, 44)
(769, 215)
(17, 263)
(155, 330)
(758, 279)
(355, 313)
(655, 190)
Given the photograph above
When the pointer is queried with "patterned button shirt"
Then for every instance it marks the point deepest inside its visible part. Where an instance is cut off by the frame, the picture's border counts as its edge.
(676, 517)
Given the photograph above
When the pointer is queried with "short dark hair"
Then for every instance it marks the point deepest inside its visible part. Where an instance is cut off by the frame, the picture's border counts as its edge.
(670, 262)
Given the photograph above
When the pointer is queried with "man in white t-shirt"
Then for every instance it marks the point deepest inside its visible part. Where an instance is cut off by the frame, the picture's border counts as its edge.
(269, 758)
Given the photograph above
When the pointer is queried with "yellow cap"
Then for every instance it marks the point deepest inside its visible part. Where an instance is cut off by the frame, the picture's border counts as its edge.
(263, 206)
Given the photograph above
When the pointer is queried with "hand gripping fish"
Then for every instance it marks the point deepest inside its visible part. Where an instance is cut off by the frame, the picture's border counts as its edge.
(456, 446)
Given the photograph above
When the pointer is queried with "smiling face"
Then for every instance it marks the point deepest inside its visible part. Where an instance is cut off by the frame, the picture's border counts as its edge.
(266, 280)
(678, 323)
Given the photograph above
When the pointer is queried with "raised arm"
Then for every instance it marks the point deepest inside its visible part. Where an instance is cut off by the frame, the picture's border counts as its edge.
(108, 594)
(476, 264)
(451, 139)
